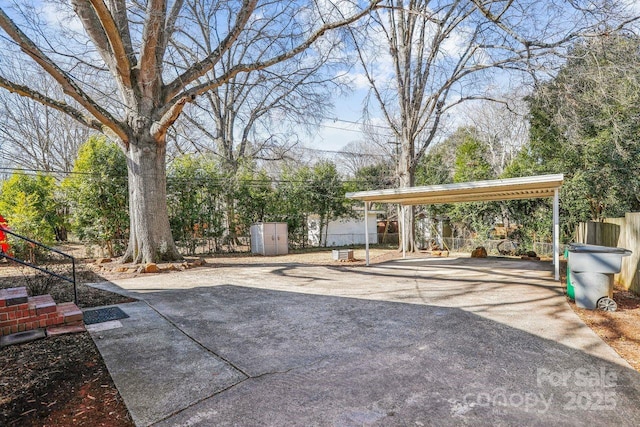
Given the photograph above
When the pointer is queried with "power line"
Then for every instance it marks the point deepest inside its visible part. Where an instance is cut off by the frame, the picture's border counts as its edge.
(349, 153)
(335, 119)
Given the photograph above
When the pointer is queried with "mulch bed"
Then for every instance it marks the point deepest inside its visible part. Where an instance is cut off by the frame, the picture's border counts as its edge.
(620, 329)
(62, 291)
(60, 380)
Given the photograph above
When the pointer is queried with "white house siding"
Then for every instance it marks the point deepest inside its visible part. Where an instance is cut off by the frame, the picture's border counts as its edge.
(344, 232)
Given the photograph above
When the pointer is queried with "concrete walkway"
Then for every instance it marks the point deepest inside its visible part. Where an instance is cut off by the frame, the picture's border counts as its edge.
(412, 342)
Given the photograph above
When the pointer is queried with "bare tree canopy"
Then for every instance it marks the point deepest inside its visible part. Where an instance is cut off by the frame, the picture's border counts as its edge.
(357, 155)
(128, 68)
(38, 137)
(501, 126)
(261, 114)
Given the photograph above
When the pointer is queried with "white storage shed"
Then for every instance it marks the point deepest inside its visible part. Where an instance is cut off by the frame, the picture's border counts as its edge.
(269, 238)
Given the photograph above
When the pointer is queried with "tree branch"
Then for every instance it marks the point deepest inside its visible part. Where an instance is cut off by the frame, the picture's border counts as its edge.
(52, 103)
(159, 129)
(92, 26)
(150, 55)
(68, 85)
(118, 10)
(199, 69)
(203, 67)
(496, 19)
(120, 53)
(170, 25)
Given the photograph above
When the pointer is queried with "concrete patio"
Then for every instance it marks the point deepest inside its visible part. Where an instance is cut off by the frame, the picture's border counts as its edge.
(409, 342)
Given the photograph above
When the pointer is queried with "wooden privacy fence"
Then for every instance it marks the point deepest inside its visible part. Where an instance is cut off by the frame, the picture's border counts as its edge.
(621, 233)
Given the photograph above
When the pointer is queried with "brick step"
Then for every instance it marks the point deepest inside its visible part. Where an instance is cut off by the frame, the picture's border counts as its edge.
(70, 312)
(42, 304)
(34, 306)
(13, 296)
(37, 312)
(66, 328)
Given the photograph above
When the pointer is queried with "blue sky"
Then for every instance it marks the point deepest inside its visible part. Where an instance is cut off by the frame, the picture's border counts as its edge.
(333, 135)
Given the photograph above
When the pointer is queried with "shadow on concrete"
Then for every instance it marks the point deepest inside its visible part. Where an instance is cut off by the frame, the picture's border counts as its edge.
(486, 277)
(406, 268)
(489, 287)
(326, 360)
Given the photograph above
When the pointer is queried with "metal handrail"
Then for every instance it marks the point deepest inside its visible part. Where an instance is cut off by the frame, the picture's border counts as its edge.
(44, 270)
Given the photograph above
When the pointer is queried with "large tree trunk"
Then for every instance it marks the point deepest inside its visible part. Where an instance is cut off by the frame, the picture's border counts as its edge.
(230, 169)
(406, 216)
(407, 240)
(150, 235)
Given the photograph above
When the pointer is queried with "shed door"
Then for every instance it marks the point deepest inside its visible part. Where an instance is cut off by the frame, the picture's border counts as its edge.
(282, 245)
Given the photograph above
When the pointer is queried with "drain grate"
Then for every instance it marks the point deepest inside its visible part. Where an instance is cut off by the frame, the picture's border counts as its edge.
(101, 315)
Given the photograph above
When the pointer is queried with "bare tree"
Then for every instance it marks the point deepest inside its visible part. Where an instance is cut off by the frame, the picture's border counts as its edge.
(359, 154)
(434, 55)
(261, 114)
(501, 125)
(134, 46)
(39, 137)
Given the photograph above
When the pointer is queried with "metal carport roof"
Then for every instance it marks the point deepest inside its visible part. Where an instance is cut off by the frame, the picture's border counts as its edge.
(529, 187)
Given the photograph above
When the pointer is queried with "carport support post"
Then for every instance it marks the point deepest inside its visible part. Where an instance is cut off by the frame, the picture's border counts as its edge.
(556, 233)
(366, 232)
(404, 244)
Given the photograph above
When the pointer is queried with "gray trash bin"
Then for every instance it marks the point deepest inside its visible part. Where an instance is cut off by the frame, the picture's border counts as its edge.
(592, 268)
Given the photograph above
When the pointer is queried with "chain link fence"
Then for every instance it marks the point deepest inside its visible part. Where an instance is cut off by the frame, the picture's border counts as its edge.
(494, 247)
(242, 244)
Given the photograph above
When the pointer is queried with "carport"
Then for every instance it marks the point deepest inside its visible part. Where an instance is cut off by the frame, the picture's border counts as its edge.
(530, 187)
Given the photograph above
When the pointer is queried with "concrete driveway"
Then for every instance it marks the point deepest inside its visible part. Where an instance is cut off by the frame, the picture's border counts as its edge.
(453, 341)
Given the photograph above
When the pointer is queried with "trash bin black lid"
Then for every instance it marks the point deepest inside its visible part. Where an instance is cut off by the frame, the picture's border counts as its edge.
(580, 247)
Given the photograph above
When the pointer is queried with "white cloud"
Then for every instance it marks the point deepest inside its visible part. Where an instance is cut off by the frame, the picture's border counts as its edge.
(62, 17)
(360, 81)
(355, 80)
(457, 42)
